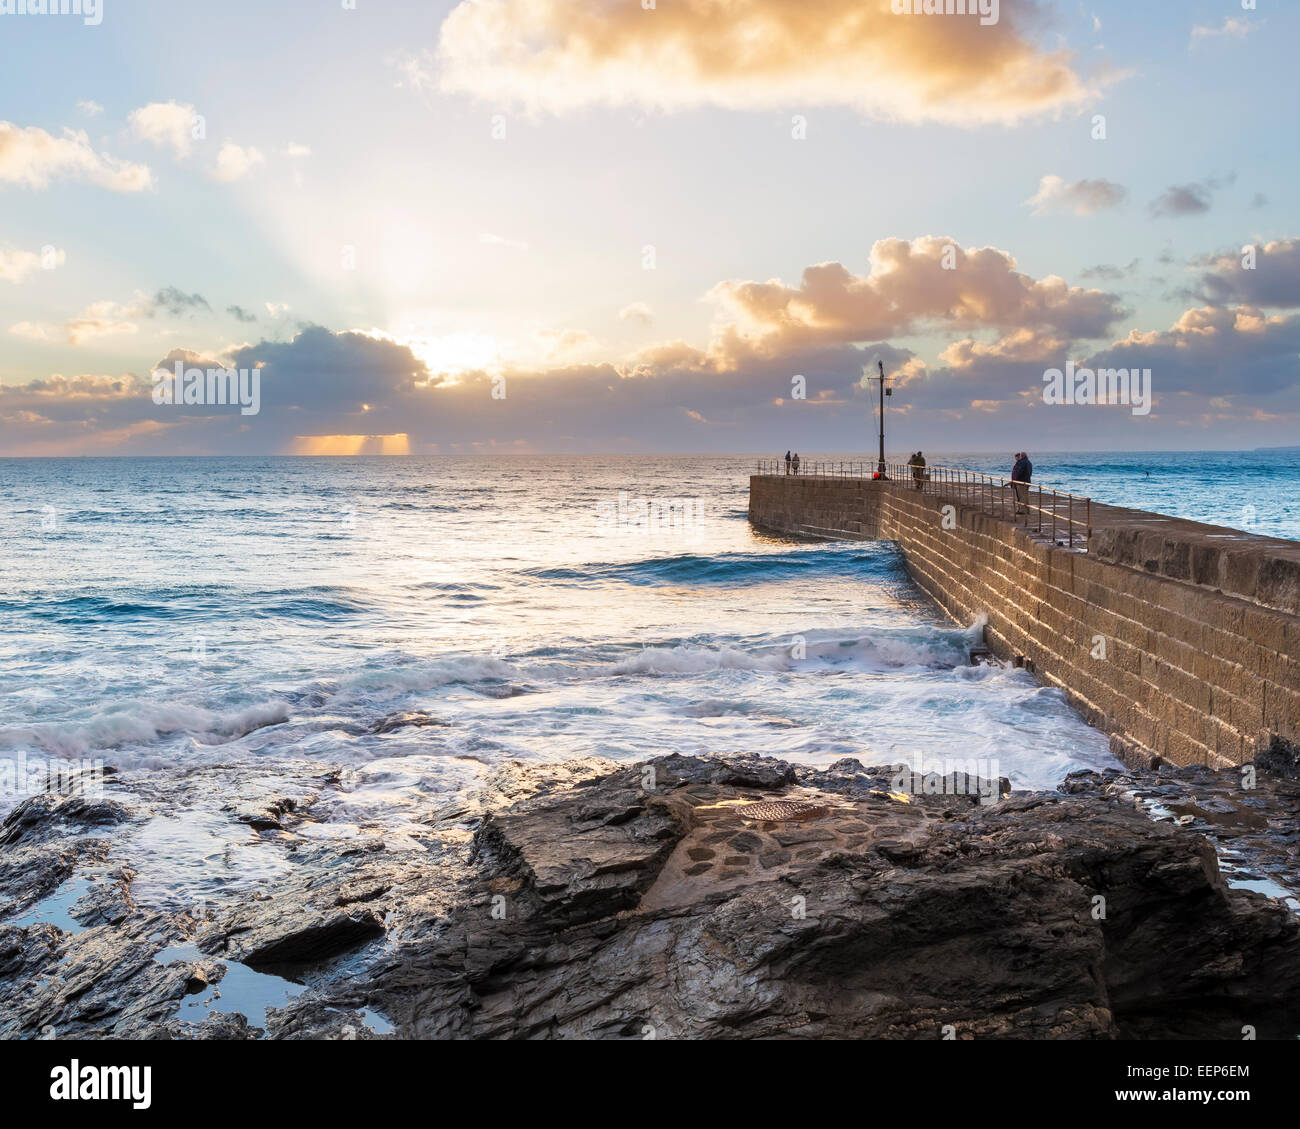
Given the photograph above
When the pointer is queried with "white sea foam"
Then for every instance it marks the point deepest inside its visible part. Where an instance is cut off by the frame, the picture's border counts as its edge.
(139, 723)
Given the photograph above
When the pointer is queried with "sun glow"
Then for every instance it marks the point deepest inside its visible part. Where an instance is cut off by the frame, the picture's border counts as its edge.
(456, 353)
(396, 444)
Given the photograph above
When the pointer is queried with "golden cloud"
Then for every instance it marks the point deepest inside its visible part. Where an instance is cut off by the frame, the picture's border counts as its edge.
(34, 158)
(559, 55)
(912, 285)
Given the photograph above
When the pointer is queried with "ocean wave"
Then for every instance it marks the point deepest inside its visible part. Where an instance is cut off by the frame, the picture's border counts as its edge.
(922, 647)
(140, 723)
(732, 568)
(320, 602)
(313, 609)
(90, 609)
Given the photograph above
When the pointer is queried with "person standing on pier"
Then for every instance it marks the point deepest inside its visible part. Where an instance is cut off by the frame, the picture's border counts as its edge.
(796, 462)
(787, 462)
(918, 470)
(1020, 476)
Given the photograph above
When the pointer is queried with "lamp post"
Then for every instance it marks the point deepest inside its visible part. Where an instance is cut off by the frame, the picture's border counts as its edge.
(880, 469)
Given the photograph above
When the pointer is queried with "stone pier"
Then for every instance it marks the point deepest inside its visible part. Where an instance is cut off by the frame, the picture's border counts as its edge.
(1180, 640)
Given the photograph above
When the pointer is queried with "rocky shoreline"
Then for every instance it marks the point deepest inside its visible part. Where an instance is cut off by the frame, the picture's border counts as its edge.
(590, 899)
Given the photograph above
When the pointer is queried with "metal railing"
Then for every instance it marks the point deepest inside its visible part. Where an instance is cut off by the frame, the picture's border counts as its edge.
(1064, 519)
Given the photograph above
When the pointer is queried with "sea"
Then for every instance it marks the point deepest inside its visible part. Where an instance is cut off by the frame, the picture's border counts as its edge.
(164, 617)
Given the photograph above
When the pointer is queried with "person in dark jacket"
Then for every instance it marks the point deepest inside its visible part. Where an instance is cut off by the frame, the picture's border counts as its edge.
(787, 462)
(1020, 476)
(918, 470)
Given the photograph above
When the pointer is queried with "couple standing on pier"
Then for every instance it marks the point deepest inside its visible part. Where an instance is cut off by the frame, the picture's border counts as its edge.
(917, 463)
(789, 462)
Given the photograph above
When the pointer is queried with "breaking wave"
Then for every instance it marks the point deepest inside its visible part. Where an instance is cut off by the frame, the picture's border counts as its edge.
(733, 568)
(139, 723)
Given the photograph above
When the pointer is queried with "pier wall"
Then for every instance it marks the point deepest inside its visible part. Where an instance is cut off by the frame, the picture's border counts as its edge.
(1180, 640)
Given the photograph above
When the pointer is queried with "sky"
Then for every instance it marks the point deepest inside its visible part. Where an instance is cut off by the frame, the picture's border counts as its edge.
(572, 226)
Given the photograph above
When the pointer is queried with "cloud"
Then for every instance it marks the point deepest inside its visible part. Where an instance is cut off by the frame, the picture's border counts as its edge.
(32, 331)
(1273, 281)
(333, 392)
(1238, 351)
(33, 158)
(16, 265)
(1083, 197)
(1239, 356)
(240, 314)
(908, 288)
(175, 301)
(349, 390)
(1187, 199)
(323, 373)
(1109, 272)
(1237, 29)
(102, 319)
(296, 151)
(165, 124)
(45, 394)
(84, 414)
(637, 311)
(89, 108)
(109, 317)
(561, 55)
(277, 309)
(564, 343)
(234, 162)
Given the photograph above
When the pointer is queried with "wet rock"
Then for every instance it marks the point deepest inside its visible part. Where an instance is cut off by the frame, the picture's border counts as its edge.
(742, 771)
(107, 902)
(305, 939)
(203, 976)
(103, 981)
(988, 926)
(1282, 758)
(1256, 828)
(37, 817)
(330, 907)
(221, 1026)
(267, 817)
(591, 899)
(797, 838)
(593, 850)
(28, 874)
(306, 1019)
(415, 719)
